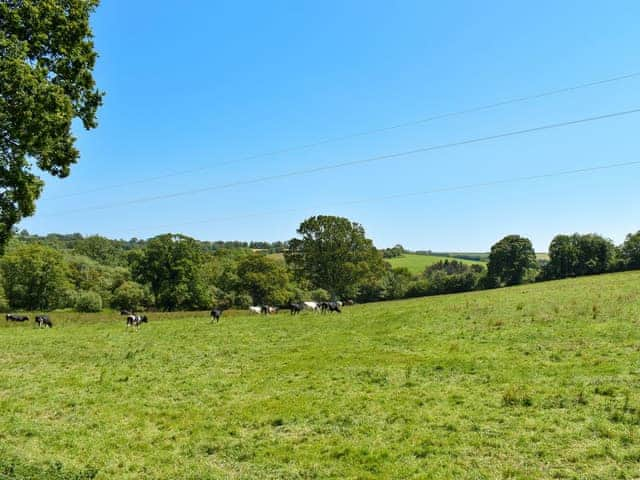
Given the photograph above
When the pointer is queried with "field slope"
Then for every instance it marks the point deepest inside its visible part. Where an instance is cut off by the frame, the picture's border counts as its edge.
(533, 382)
(417, 263)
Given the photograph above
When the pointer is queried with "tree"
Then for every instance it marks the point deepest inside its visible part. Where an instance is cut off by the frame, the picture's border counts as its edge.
(333, 254)
(35, 277)
(563, 256)
(172, 266)
(511, 259)
(595, 254)
(630, 251)
(46, 63)
(265, 279)
(129, 296)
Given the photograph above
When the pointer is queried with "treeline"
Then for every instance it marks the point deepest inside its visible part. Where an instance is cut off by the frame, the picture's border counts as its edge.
(330, 259)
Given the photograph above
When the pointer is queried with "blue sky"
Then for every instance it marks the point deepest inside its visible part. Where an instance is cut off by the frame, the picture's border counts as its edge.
(194, 84)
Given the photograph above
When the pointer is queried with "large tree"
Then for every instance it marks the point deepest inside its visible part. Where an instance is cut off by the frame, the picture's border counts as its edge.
(172, 266)
(46, 62)
(34, 277)
(511, 259)
(265, 279)
(631, 251)
(334, 254)
(563, 256)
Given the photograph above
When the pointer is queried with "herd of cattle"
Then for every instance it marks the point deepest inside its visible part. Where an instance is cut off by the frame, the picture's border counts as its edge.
(134, 320)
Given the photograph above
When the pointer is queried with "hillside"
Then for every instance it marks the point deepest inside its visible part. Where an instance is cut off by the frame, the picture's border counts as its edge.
(531, 382)
(417, 263)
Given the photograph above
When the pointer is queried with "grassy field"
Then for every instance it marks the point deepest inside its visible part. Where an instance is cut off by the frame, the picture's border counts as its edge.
(417, 263)
(533, 382)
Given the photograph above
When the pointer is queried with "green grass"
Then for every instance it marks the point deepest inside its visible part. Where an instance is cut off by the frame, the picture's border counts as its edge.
(417, 263)
(534, 382)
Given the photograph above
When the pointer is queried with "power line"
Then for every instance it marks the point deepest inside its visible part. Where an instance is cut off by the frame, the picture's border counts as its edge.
(307, 146)
(469, 186)
(334, 166)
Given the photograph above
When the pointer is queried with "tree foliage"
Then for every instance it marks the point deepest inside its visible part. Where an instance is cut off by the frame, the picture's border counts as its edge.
(172, 266)
(34, 277)
(333, 254)
(630, 251)
(265, 279)
(46, 62)
(511, 259)
(574, 255)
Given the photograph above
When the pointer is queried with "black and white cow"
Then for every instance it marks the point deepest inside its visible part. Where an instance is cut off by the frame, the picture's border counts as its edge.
(136, 320)
(16, 318)
(43, 321)
(216, 313)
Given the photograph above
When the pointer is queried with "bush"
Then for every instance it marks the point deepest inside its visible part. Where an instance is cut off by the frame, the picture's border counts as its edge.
(128, 296)
(88, 302)
(242, 300)
(320, 295)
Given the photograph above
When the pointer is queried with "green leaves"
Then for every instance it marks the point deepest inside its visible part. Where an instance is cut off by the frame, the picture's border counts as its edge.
(511, 259)
(46, 64)
(334, 254)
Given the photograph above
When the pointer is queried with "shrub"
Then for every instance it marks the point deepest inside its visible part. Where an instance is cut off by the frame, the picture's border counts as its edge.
(88, 302)
(128, 296)
(320, 295)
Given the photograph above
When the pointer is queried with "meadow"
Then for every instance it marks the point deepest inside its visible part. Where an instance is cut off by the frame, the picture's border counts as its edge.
(416, 263)
(531, 382)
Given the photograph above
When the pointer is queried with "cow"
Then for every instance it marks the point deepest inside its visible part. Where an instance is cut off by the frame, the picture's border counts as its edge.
(311, 306)
(330, 307)
(16, 318)
(136, 320)
(216, 313)
(127, 312)
(255, 309)
(43, 321)
(296, 308)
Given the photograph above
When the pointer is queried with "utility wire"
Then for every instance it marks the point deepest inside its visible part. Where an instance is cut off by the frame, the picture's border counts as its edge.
(307, 146)
(469, 186)
(334, 166)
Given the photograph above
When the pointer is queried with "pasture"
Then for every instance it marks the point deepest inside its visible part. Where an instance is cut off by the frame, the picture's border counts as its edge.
(417, 263)
(531, 382)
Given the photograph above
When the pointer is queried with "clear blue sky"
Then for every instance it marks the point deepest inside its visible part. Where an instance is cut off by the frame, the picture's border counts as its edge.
(196, 83)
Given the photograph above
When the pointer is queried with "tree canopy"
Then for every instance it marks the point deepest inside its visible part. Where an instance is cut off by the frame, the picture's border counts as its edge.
(46, 62)
(172, 265)
(511, 259)
(333, 254)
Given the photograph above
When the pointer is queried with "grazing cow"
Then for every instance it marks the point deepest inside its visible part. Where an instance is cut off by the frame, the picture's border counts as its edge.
(330, 307)
(257, 310)
(311, 306)
(126, 312)
(17, 318)
(296, 308)
(216, 313)
(43, 321)
(349, 302)
(272, 309)
(136, 320)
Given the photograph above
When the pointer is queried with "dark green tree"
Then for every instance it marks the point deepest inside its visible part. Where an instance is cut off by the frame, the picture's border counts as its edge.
(563, 256)
(46, 63)
(511, 260)
(34, 277)
(595, 254)
(172, 266)
(630, 251)
(265, 279)
(334, 254)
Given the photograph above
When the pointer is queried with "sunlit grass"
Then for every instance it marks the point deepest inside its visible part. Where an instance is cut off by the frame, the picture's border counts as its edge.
(532, 382)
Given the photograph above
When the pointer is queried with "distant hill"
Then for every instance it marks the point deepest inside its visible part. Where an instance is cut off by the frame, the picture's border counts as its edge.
(416, 263)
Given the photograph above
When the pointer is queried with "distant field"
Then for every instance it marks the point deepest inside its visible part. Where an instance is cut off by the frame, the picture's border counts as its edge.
(532, 382)
(417, 263)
